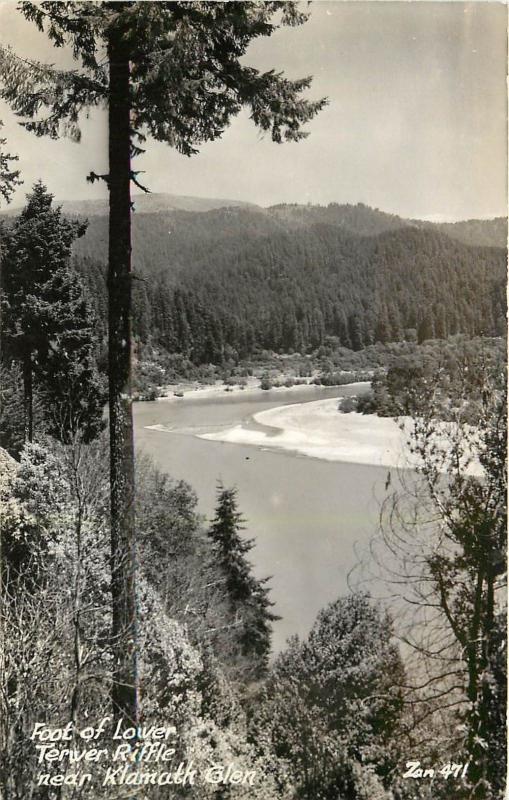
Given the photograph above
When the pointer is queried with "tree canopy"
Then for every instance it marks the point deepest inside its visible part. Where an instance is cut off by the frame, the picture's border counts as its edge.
(332, 705)
(187, 79)
(49, 325)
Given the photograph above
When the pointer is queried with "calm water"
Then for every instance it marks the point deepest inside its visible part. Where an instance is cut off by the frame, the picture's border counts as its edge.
(306, 515)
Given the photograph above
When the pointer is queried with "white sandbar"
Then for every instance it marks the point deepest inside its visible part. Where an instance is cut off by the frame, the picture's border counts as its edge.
(318, 430)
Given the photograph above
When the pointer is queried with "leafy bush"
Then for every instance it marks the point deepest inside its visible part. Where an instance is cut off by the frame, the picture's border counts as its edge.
(366, 403)
(266, 382)
(340, 378)
(347, 405)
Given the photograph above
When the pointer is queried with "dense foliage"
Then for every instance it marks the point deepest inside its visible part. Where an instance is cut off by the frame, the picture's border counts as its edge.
(169, 232)
(202, 576)
(48, 325)
(447, 373)
(332, 704)
(55, 619)
(350, 277)
(220, 285)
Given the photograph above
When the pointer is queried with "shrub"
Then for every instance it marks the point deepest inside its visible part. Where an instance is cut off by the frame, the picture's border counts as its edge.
(366, 403)
(347, 405)
(266, 382)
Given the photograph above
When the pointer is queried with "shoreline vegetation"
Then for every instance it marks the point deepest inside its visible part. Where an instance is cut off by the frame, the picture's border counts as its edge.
(250, 387)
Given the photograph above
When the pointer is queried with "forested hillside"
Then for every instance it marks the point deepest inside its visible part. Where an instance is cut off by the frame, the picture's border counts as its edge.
(159, 218)
(223, 282)
(367, 221)
(489, 232)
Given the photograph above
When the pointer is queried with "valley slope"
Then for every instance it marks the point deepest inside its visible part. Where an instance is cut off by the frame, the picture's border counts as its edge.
(217, 280)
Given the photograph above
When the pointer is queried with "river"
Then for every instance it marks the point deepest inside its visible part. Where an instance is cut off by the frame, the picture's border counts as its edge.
(306, 515)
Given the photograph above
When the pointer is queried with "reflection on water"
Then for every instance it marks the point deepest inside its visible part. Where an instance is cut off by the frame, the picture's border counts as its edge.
(304, 514)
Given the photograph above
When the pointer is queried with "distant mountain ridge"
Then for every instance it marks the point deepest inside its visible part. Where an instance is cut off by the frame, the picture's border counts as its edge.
(358, 218)
(171, 232)
(154, 203)
(146, 203)
(476, 232)
(366, 221)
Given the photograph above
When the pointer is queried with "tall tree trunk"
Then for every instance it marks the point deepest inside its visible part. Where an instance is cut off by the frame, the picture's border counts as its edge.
(28, 399)
(123, 542)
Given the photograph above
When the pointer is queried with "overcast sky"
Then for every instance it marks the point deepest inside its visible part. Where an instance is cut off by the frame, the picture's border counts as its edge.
(416, 122)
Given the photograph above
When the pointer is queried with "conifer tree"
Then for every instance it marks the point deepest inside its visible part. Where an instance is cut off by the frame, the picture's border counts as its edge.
(175, 71)
(382, 326)
(248, 597)
(69, 383)
(425, 329)
(48, 326)
(355, 331)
